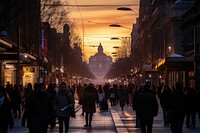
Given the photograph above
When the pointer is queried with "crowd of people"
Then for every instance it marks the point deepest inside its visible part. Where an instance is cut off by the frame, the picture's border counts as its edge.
(40, 106)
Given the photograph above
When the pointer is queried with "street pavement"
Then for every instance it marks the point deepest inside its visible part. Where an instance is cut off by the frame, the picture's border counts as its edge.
(112, 121)
(128, 117)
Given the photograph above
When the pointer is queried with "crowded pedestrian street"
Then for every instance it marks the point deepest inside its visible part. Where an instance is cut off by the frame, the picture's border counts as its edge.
(95, 66)
(112, 121)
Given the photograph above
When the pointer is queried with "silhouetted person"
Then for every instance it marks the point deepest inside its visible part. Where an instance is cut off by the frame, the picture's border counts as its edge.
(38, 110)
(106, 90)
(164, 99)
(89, 103)
(122, 97)
(6, 118)
(101, 96)
(112, 95)
(191, 108)
(27, 92)
(81, 91)
(52, 92)
(63, 102)
(130, 91)
(147, 107)
(159, 90)
(177, 107)
(16, 101)
(137, 92)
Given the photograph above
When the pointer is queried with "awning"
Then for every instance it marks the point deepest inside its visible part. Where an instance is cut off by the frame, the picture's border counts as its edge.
(176, 63)
(6, 44)
(29, 56)
(13, 56)
(8, 56)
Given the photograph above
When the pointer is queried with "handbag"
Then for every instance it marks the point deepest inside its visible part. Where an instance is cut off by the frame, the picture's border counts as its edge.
(72, 111)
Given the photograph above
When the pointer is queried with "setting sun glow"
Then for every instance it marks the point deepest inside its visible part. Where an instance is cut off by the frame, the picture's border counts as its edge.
(92, 22)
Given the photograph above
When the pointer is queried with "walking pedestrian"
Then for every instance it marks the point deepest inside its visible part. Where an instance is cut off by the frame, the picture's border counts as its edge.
(16, 101)
(106, 90)
(27, 92)
(81, 91)
(89, 103)
(52, 92)
(130, 92)
(122, 97)
(138, 90)
(38, 109)
(177, 108)
(63, 103)
(101, 96)
(191, 108)
(147, 107)
(164, 99)
(6, 118)
(112, 95)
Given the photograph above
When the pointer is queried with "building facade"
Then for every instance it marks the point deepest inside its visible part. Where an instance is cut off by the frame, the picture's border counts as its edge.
(100, 64)
(161, 40)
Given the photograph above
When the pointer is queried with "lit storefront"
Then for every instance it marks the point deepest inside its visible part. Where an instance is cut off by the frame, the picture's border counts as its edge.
(7, 60)
(29, 75)
(177, 69)
(9, 73)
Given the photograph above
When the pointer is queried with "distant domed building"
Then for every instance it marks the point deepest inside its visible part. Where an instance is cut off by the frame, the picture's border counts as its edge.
(100, 63)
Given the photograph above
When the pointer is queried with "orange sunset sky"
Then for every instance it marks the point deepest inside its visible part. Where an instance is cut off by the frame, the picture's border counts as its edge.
(92, 22)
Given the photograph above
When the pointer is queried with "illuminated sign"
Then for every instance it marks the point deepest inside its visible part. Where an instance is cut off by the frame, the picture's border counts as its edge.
(28, 69)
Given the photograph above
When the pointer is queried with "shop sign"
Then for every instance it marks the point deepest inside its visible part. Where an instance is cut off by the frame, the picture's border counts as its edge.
(28, 69)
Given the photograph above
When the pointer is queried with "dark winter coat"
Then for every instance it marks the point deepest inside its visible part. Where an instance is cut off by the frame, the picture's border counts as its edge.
(122, 96)
(38, 109)
(64, 99)
(89, 99)
(191, 98)
(146, 106)
(134, 99)
(164, 98)
(178, 105)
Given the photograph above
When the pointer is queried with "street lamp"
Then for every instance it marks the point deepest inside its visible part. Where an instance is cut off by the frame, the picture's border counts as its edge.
(114, 38)
(116, 47)
(118, 25)
(124, 9)
(127, 9)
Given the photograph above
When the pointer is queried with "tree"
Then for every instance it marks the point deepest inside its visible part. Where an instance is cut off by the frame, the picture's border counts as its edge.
(54, 13)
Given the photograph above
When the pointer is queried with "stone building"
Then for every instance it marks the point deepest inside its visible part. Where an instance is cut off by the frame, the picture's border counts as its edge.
(100, 64)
